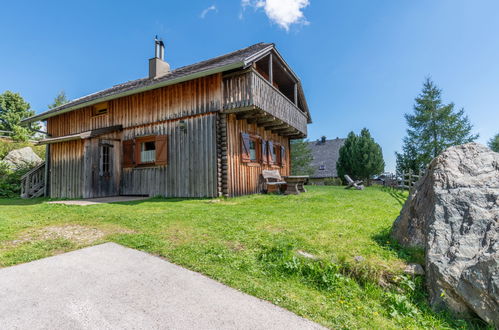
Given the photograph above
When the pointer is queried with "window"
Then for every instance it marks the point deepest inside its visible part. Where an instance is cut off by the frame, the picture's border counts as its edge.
(250, 148)
(146, 150)
(322, 167)
(253, 155)
(99, 109)
(105, 159)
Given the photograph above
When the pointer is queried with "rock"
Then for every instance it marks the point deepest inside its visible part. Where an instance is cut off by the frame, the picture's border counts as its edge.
(21, 157)
(453, 215)
(306, 255)
(414, 269)
(359, 258)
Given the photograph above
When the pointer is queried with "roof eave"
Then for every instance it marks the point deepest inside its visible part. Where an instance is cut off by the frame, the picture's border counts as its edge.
(196, 75)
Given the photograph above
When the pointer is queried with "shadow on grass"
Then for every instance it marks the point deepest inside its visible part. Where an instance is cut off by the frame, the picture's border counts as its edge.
(398, 195)
(409, 255)
(22, 201)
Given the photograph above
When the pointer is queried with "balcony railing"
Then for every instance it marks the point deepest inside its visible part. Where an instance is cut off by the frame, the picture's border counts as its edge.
(250, 90)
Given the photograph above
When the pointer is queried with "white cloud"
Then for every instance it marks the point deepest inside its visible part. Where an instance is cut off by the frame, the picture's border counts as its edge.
(283, 12)
(207, 10)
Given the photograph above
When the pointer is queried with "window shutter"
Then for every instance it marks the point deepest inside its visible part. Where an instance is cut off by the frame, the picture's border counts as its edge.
(265, 158)
(245, 148)
(161, 150)
(128, 154)
(283, 156)
(271, 153)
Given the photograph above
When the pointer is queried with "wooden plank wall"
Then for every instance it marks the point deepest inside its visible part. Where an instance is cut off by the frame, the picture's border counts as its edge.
(185, 99)
(191, 170)
(66, 173)
(244, 178)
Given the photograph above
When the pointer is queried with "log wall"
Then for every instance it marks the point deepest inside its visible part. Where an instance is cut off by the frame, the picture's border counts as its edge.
(184, 99)
(244, 178)
(191, 169)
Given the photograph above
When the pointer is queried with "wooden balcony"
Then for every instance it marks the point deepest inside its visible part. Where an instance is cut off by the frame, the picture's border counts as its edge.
(252, 97)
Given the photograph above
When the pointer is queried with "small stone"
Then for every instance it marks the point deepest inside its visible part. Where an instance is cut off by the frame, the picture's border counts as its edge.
(359, 258)
(306, 255)
(414, 269)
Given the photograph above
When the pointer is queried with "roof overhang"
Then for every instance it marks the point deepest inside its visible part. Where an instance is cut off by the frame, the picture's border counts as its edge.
(52, 113)
(81, 136)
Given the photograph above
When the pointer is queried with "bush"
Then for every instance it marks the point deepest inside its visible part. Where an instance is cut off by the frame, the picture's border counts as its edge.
(10, 180)
(332, 182)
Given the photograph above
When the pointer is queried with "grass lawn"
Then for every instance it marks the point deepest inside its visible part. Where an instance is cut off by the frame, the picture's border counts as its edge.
(251, 243)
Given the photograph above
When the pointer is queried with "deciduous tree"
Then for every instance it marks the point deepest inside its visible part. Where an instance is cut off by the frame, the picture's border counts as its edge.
(13, 109)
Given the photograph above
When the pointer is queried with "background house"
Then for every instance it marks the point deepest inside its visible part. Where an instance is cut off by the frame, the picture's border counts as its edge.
(325, 155)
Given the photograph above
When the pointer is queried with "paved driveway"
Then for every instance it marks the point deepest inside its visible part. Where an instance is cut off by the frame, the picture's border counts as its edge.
(109, 286)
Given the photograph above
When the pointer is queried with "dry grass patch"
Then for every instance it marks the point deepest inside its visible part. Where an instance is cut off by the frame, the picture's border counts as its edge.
(78, 234)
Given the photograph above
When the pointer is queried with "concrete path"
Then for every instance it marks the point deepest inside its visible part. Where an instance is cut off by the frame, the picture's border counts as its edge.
(109, 286)
(92, 201)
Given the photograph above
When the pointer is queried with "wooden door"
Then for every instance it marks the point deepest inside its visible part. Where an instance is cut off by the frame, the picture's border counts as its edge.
(102, 157)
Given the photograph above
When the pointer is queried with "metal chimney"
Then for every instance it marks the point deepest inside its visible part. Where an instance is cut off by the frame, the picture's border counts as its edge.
(157, 65)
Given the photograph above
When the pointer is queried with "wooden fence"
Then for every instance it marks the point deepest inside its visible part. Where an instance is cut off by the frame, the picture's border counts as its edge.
(406, 180)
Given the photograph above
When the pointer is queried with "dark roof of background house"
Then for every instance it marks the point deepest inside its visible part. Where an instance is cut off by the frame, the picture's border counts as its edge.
(325, 154)
(240, 56)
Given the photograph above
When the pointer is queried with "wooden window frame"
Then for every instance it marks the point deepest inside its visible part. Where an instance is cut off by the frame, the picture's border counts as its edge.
(100, 109)
(138, 146)
(133, 147)
(105, 160)
(246, 151)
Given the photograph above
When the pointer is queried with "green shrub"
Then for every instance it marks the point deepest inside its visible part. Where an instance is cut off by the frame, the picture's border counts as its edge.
(332, 182)
(10, 180)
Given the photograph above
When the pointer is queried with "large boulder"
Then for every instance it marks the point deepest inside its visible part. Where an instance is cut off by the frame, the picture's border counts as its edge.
(453, 214)
(21, 157)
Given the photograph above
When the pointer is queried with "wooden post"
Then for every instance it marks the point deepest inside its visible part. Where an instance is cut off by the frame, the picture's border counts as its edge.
(271, 70)
(47, 170)
(296, 93)
(410, 180)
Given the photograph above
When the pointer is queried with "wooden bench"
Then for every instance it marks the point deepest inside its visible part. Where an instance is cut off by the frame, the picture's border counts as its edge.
(272, 181)
(355, 184)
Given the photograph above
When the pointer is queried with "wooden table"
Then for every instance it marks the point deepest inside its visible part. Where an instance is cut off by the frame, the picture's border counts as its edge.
(295, 184)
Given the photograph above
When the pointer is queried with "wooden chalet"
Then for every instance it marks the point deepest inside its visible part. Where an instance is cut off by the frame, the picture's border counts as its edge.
(203, 130)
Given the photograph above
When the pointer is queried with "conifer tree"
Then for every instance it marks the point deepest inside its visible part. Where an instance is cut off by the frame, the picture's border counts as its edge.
(494, 143)
(301, 157)
(59, 100)
(360, 157)
(433, 127)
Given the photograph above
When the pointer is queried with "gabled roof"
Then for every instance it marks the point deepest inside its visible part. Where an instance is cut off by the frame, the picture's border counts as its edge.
(239, 59)
(325, 154)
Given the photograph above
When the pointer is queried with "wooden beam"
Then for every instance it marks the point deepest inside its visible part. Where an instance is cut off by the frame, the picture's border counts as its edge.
(265, 120)
(271, 70)
(255, 118)
(276, 127)
(247, 114)
(277, 122)
(284, 130)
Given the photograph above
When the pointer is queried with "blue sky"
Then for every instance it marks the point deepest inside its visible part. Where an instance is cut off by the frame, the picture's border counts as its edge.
(361, 62)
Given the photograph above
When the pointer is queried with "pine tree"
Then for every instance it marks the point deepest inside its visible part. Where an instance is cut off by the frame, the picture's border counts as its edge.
(59, 100)
(494, 143)
(13, 109)
(360, 157)
(301, 156)
(433, 127)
